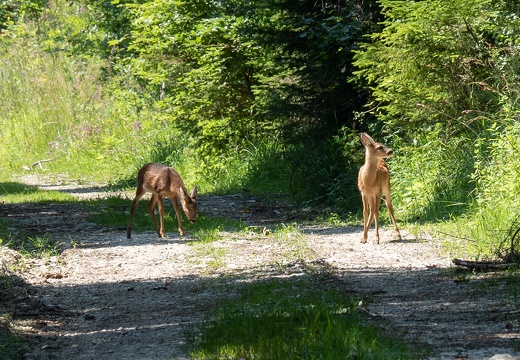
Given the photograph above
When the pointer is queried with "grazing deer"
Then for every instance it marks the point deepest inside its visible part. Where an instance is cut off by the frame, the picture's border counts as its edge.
(161, 181)
(373, 181)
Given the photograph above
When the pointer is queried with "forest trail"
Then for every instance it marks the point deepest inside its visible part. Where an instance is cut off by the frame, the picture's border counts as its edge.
(106, 297)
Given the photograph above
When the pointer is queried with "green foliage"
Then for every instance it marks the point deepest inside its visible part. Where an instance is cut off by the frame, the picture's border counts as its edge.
(498, 174)
(495, 212)
(338, 173)
(431, 176)
(256, 95)
(32, 107)
(216, 89)
(229, 74)
(444, 74)
(111, 19)
(292, 319)
(302, 88)
(52, 109)
(57, 108)
(11, 11)
(438, 61)
(202, 78)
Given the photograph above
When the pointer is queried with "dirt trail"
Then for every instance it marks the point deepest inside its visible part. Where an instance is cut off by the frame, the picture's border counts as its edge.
(110, 298)
(419, 300)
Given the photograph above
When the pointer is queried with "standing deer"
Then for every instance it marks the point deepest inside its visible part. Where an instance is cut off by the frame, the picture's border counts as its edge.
(161, 181)
(373, 181)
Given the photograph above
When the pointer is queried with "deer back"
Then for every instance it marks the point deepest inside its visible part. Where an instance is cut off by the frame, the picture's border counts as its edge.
(160, 179)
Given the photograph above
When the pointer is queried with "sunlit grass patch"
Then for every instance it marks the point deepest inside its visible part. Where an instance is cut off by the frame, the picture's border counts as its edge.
(292, 319)
(115, 212)
(19, 238)
(210, 228)
(16, 193)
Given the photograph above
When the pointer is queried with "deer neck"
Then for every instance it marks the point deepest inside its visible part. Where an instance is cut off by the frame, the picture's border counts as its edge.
(372, 160)
(374, 165)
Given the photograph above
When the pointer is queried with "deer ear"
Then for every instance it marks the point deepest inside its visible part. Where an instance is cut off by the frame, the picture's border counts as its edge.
(194, 193)
(366, 139)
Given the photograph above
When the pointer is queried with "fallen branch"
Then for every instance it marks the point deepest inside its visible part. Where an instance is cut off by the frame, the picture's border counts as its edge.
(37, 163)
(482, 265)
(456, 237)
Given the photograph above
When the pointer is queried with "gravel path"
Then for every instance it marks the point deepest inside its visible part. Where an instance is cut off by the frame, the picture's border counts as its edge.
(107, 297)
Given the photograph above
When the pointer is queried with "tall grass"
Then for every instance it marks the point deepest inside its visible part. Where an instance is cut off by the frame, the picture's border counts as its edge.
(33, 110)
(465, 185)
(431, 176)
(56, 107)
(495, 210)
(57, 103)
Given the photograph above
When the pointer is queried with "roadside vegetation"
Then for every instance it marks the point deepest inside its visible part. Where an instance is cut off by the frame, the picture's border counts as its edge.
(269, 97)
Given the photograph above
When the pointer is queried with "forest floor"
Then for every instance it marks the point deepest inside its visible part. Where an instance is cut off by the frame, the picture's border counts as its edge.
(106, 297)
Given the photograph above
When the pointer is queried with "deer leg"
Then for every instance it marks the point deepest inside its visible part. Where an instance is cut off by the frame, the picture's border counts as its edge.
(391, 212)
(372, 214)
(178, 214)
(366, 215)
(377, 204)
(160, 203)
(139, 193)
(151, 211)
